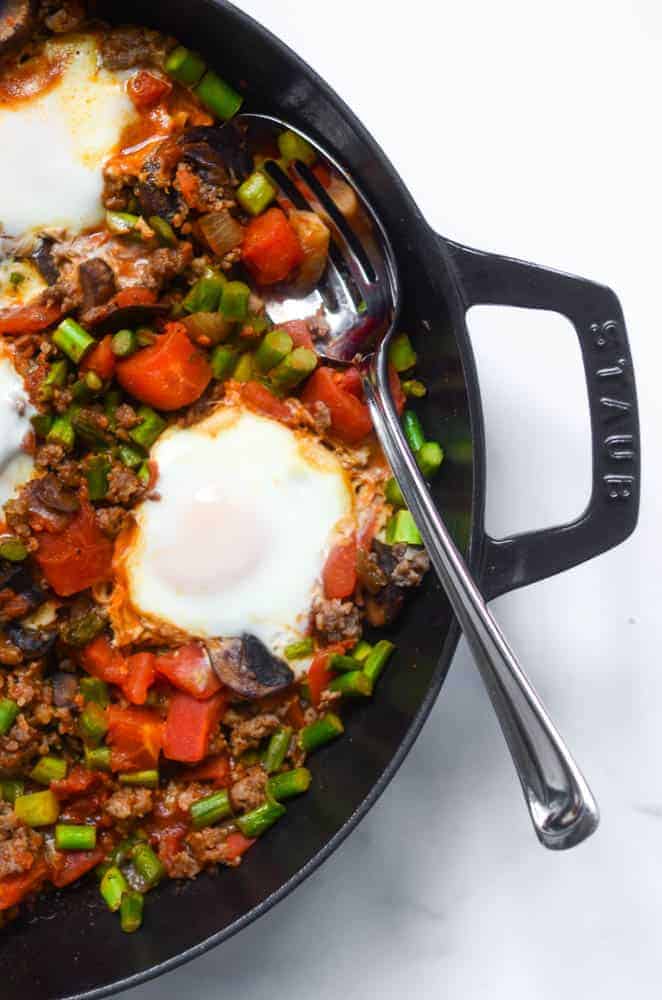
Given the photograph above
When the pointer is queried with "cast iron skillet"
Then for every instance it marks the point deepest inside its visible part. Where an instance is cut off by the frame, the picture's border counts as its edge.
(69, 946)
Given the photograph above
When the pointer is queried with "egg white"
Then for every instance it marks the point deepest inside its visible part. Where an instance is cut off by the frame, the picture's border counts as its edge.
(236, 543)
(16, 466)
(55, 143)
(20, 281)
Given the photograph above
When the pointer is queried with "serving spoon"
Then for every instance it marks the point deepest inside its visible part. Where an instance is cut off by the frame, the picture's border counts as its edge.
(360, 298)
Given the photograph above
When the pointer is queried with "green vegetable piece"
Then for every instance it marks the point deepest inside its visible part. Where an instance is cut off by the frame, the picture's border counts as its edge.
(294, 368)
(275, 346)
(257, 822)
(413, 430)
(85, 425)
(294, 147)
(414, 387)
(244, 369)
(71, 837)
(401, 354)
(16, 278)
(10, 789)
(320, 732)
(402, 528)
(163, 230)
(145, 336)
(49, 769)
(147, 431)
(377, 660)
(260, 322)
(210, 810)
(62, 431)
(72, 339)
(393, 493)
(342, 664)
(131, 912)
(279, 744)
(124, 343)
(289, 783)
(361, 651)
(93, 689)
(93, 382)
(429, 458)
(147, 864)
(112, 888)
(41, 424)
(97, 477)
(353, 684)
(205, 294)
(130, 456)
(223, 360)
(37, 809)
(121, 223)
(98, 758)
(124, 850)
(144, 779)
(297, 650)
(144, 473)
(256, 193)
(218, 96)
(80, 631)
(9, 709)
(111, 401)
(13, 549)
(93, 724)
(56, 378)
(234, 301)
(185, 66)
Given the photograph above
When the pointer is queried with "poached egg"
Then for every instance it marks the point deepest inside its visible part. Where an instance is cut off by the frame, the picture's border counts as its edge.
(15, 411)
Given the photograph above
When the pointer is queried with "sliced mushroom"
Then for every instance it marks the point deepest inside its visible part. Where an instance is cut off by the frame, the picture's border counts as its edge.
(155, 200)
(32, 642)
(226, 140)
(97, 282)
(43, 258)
(247, 667)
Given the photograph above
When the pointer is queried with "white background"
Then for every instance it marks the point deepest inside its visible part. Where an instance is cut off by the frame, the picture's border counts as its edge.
(532, 129)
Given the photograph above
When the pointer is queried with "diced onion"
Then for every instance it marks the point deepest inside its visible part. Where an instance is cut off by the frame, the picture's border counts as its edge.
(222, 231)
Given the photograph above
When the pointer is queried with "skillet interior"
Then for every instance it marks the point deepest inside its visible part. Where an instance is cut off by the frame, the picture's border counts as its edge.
(78, 944)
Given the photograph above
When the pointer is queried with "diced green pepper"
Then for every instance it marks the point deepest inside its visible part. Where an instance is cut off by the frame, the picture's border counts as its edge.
(218, 96)
(256, 193)
(294, 147)
(401, 354)
(49, 769)
(185, 66)
(402, 528)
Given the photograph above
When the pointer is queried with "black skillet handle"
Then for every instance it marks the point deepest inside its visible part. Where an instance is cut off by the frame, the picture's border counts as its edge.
(597, 317)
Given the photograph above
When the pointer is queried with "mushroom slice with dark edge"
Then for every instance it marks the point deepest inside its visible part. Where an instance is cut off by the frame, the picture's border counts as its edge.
(247, 667)
(97, 282)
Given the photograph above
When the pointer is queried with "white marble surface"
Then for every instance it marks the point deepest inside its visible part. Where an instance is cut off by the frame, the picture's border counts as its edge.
(534, 130)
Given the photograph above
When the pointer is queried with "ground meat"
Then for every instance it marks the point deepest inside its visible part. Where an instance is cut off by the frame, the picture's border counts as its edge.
(166, 263)
(250, 732)
(27, 687)
(62, 17)
(129, 803)
(49, 456)
(210, 847)
(19, 845)
(97, 282)
(336, 620)
(116, 194)
(10, 655)
(123, 485)
(411, 566)
(19, 746)
(111, 520)
(181, 865)
(249, 792)
(126, 417)
(124, 48)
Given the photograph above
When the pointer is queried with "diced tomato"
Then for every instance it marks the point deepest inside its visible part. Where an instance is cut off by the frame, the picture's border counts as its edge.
(14, 888)
(399, 397)
(141, 673)
(339, 573)
(145, 89)
(299, 332)
(30, 318)
(350, 381)
(188, 184)
(168, 375)
(103, 660)
(77, 557)
(79, 781)
(189, 726)
(270, 248)
(135, 736)
(134, 296)
(100, 359)
(237, 845)
(259, 398)
(215, 769)
(319, 675)
(189, 669)
(350, 418)
(69, 866)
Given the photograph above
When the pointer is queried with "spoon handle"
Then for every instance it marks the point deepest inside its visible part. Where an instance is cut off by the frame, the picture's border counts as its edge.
(562, 808)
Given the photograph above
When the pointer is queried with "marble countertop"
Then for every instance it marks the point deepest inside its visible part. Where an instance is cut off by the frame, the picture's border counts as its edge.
(533, 131)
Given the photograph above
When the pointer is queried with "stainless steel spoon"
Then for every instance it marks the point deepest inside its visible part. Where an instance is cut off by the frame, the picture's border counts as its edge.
(360, 296)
